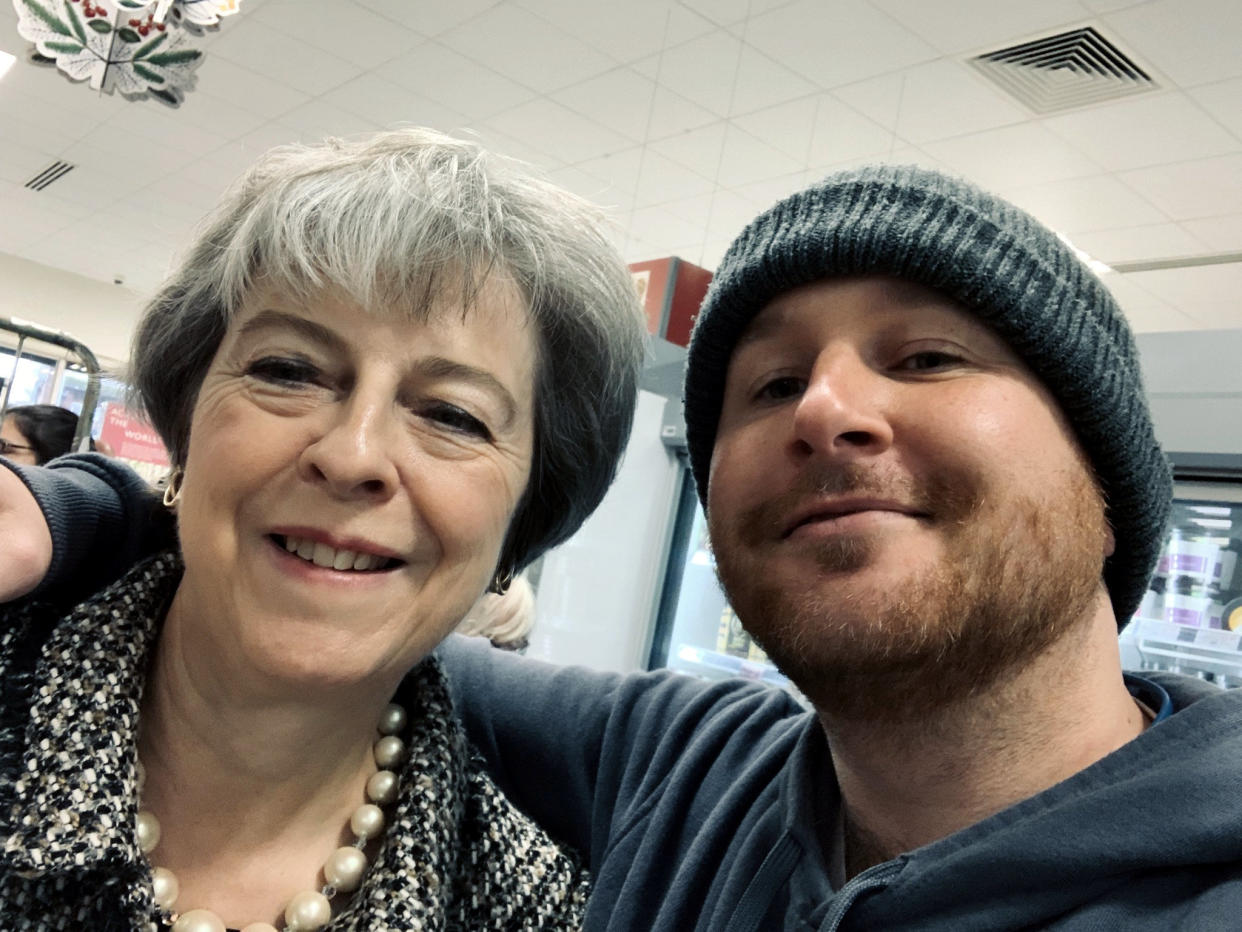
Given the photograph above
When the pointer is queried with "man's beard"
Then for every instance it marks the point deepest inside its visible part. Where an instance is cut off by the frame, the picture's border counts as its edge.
(1007, 586)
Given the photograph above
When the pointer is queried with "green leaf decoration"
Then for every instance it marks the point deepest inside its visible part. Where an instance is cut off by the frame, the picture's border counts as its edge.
(54, 22)
(75, 22)
(100, 25)
(167, 96)
(178, 57)
(128, 35)
(67, 48)
(151, 46)
(132, 4)
(147, 74)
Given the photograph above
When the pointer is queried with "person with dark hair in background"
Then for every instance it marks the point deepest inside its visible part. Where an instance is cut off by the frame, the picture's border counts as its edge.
(35, 434)
(934, 492)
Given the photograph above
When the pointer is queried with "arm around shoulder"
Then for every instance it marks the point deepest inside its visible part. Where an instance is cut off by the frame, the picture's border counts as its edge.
(27, 540)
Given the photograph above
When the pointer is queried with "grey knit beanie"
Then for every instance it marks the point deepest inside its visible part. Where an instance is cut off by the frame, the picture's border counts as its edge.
(992, 259)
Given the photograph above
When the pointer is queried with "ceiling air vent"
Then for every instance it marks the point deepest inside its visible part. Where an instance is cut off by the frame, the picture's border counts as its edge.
(1070, 69)
(53, 172)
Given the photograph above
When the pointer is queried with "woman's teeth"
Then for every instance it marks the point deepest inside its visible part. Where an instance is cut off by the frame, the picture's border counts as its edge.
(330, 558)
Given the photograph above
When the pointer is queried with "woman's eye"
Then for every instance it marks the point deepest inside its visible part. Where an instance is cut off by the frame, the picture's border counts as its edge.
(283, 370)
(457, 420)
(781, 388)
(932, 359)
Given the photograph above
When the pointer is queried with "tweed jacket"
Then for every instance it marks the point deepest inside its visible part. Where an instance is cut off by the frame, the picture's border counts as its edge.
(456, 855)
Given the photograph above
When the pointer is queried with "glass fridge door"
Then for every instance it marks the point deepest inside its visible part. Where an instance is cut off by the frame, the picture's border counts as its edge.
(696, 631)
(1190, 620)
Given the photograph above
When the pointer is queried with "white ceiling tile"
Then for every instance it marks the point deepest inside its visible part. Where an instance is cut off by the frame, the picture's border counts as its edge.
(1012, 156)
(46, 86)
(1218, 234)
(720, 12)
(342, 27)
(936, 100)
(558, 131)
(619, 171)
(1144, 131)
(599, 192)
(698, 150)
(1223, 100)
(247, 88)
(28, 216)
(623, 31)
(211, 114)
(747, 160)
(1191, 41)
(318, 119)
(527, 49)
(514, 147)
(275, 54)
(1110, 6)
(671, 114)
(1080, 205)
(684, 24)
(729, 214)
(766, 193)
(112, 151)
(786, 127)
(619, 99)
(382, 102)
(1189, 190)
(662, 180)
(1204, 293)
(1139, 243)
(438, 73)
(429, 18)
(221, 168)
(37, 127)
(702, 70)
(836, 43)
(761, 82)
(840, 133)
(172, 128)
(664, 227)
(955, 26)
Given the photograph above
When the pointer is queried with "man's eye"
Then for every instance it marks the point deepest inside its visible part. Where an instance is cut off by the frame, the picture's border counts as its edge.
(920, 362)
(780, 389)
(282, 370)
(457, 420)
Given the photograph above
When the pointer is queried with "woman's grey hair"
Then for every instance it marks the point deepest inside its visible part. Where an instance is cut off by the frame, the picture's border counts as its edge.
(395, 221)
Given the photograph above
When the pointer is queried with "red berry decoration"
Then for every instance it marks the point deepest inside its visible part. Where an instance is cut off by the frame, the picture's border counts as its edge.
(143, 30)
(160, 27)
(135, 22)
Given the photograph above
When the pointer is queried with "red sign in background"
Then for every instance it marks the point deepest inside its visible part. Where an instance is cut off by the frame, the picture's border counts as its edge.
(671, 291)
(130, 437)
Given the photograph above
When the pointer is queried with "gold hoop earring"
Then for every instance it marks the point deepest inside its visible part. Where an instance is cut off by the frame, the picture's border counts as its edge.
(501, 581)
(172, 491)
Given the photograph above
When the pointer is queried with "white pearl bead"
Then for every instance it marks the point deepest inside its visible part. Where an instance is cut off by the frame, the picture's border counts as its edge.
(382, 787)
(367, 821)
(148, 831)
(259, 927)
(164, 883)
(389, 752)
(308, 911)
(344, 869)
(199, 920)
(392, 720)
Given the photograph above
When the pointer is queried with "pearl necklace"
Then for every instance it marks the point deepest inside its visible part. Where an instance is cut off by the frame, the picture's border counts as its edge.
(308, 910)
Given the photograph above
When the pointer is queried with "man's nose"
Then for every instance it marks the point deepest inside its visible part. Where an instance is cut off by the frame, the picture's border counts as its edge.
(843, 411)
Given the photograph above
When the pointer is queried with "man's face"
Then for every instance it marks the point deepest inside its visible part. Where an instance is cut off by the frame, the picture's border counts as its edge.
(895, 500)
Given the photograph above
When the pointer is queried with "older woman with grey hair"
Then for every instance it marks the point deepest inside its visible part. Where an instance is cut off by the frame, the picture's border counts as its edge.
(390, 374)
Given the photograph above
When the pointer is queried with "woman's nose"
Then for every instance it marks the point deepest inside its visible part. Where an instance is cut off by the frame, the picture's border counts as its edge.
(354, 455)
(842, 413)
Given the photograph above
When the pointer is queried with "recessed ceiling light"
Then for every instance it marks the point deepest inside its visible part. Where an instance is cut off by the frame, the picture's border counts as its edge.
(6, 62)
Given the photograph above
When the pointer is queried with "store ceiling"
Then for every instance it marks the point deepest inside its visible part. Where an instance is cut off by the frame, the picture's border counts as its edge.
(686, 118)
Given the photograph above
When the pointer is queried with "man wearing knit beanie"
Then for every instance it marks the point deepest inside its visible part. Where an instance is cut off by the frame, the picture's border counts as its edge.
(934, 493)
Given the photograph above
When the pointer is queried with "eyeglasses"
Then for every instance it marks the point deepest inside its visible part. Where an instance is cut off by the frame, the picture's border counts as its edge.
(8, 446)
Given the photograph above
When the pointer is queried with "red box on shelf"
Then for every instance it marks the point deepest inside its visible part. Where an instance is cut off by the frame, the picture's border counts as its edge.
(671, 291)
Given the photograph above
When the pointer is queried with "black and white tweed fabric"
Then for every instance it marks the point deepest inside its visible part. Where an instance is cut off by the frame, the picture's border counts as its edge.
(456, 856)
